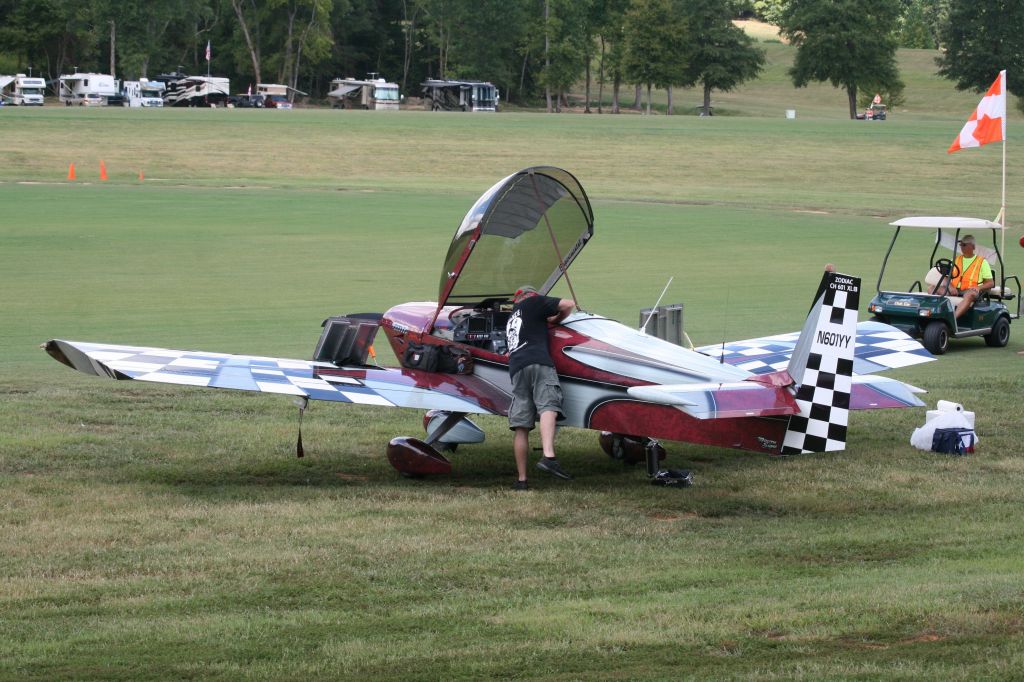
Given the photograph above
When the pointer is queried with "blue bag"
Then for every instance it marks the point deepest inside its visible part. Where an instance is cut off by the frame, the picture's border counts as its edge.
(953, 441)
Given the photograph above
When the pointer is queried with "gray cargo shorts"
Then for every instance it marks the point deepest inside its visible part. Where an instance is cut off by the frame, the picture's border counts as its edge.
(535, 389)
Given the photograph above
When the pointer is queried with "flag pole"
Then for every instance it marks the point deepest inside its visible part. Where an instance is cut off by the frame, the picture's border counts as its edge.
(1002, 206)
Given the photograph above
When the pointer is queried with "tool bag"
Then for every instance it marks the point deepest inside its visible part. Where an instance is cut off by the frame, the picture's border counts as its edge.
(431, 358)
(953, 441)
(421, 356)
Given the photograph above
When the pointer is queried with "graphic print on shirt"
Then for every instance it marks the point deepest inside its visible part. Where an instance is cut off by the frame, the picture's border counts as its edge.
(512, 327)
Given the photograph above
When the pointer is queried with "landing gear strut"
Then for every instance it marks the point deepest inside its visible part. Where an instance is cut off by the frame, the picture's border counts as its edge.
(633, 449)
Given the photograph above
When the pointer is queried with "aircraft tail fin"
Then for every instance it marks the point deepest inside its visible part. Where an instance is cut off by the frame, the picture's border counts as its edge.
(822, 368)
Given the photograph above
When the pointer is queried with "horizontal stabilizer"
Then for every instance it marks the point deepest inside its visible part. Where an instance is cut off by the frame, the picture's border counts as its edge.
(721, 400)
(875, 393)
(879, 347)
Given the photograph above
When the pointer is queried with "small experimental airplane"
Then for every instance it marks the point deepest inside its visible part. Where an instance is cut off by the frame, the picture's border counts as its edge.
(783, 394)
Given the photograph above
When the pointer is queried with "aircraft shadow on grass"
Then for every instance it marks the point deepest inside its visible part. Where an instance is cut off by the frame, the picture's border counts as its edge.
(781, 394)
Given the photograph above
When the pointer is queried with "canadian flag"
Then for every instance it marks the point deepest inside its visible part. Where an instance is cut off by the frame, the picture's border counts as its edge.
(988, 122)
(208, 54)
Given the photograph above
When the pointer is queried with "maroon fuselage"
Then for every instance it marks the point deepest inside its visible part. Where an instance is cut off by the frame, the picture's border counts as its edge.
(593, 398)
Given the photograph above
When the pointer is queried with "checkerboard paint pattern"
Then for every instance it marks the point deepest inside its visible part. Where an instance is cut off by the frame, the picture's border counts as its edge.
(824, 392)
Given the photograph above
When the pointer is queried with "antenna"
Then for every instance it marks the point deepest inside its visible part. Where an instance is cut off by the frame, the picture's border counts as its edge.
(725, 325)
(643, 329)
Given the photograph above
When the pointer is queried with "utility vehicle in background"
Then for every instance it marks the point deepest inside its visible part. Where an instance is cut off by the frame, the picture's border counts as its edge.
(930, 317)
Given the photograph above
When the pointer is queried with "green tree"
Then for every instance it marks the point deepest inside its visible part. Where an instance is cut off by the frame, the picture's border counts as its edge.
(769, 11)
(849, 43)
(980, 38)
(611, 39)
(722, 55)
(918, 25)
(479, 52)
(656, 45)
(565, 47)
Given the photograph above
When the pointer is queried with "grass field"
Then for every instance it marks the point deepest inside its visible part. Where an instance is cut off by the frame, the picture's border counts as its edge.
(156, 533)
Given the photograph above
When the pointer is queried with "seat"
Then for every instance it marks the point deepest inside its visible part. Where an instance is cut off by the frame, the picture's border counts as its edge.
(934, 277)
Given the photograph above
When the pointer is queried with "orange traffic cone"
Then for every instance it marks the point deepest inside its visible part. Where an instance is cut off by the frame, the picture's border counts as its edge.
(141, 176)
(71, 172)
(103, 170)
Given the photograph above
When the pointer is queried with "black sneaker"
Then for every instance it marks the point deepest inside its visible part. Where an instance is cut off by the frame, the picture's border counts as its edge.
(520, 485)
(551, 465)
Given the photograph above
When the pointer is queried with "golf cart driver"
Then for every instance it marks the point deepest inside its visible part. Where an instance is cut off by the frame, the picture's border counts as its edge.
(962, 296)
(967, 277)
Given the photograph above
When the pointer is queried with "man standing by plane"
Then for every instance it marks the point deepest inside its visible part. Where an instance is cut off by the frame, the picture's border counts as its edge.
(536, 393)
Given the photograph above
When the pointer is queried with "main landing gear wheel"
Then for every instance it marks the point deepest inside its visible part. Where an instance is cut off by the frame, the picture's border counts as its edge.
(936, 337)
(414, 459)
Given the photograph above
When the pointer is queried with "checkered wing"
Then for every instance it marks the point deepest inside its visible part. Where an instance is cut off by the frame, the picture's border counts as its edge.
(879, 347)
(304, 378)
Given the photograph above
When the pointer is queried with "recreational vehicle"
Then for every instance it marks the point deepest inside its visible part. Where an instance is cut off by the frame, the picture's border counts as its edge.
(87, 89)
(445, 95)
(143, 93)
(194, 91)
(22, 90)
(375, 93)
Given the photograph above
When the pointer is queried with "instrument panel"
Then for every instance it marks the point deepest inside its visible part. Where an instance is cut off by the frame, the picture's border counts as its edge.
(481, 328)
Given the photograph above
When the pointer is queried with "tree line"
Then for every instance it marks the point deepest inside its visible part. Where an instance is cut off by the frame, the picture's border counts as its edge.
(533, 50)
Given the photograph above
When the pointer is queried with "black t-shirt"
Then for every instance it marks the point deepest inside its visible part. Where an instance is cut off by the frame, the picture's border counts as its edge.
(527, 332)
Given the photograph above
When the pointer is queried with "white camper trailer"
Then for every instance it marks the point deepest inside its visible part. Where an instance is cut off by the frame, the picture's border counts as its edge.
(22, 90)
(143, 93)
(194, 91)
(87, 89)
(376, 93)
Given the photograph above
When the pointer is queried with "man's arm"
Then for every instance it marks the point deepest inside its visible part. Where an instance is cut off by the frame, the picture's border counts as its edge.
(565, 306)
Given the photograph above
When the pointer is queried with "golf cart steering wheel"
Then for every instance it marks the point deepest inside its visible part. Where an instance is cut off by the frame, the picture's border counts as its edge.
(947, 268)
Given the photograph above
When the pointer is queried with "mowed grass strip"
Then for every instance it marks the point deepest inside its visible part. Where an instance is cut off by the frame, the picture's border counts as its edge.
(161, 532)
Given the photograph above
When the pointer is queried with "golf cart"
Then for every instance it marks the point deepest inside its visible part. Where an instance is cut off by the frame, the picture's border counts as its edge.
(876, 112)
(930, 317)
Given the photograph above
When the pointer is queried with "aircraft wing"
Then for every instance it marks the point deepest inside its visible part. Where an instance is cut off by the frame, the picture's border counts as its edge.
(304, 378)
(878, 347)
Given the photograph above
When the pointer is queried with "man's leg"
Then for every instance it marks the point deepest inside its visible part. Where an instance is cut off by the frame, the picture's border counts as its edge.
(547, 432)
(969, 298)
(521, 448)
(549, 462)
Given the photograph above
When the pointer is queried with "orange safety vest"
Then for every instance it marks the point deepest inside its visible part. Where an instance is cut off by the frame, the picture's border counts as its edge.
(968, 278)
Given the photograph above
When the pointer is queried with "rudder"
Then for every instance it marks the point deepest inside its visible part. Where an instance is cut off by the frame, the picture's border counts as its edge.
(822, 368)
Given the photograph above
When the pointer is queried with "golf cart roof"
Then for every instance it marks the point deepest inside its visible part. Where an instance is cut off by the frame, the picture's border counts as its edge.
(947, 222)
(523, 230)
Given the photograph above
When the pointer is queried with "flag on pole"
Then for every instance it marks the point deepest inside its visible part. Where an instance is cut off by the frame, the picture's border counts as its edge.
(207, 50)
(988, 122)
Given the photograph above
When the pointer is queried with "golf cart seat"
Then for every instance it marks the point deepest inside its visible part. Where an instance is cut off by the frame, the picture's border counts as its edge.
(934, 277)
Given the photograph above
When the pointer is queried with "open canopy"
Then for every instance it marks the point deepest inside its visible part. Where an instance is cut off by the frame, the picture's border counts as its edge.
(514, 234)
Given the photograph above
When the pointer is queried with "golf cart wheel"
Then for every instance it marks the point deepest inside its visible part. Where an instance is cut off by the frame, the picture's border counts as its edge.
(936, 338)
(1000, 333)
